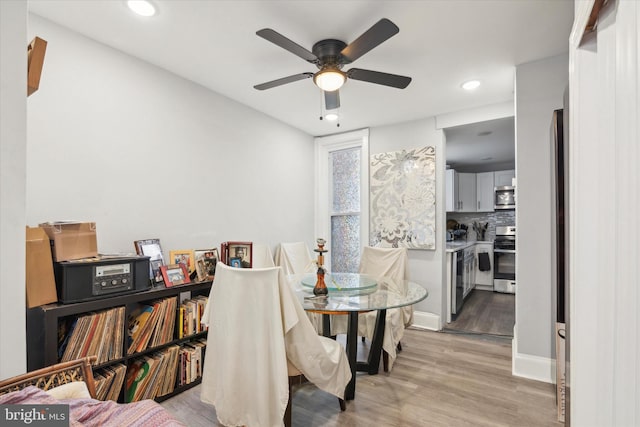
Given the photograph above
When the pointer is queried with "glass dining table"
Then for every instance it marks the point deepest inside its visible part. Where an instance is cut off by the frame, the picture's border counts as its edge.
(351, 294)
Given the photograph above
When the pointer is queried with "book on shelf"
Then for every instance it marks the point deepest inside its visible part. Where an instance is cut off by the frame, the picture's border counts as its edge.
(190, 363)
(190, 315)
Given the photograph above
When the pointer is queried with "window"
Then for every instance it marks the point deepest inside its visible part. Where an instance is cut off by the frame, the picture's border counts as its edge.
(342, 202)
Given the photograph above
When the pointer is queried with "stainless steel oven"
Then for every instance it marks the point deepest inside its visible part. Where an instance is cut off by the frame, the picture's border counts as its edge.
(504, 259)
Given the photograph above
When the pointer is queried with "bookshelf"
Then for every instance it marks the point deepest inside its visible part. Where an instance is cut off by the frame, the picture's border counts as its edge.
(44, 322)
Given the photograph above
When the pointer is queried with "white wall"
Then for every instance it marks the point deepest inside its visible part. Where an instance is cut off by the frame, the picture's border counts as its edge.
(425, 267)
(604, 191)
(539, 90)
(13, 113)
(146, 154)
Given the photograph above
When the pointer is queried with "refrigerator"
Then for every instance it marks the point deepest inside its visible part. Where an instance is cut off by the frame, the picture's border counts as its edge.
(560, 255)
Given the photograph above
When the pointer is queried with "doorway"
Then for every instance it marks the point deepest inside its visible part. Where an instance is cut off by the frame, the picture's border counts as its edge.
(479, 157)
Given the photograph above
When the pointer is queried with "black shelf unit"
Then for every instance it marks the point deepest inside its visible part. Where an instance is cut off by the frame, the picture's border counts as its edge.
(43, 321)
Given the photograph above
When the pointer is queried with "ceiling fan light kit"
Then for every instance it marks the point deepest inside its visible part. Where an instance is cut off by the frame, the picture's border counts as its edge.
(331, 55)
(470, 85)
(329, 79)
(331, 116)
(142, 7)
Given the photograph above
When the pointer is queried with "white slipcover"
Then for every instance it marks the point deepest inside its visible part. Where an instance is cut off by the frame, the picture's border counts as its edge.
(295, 260)
(261, 258)
(256, 323)
(390, 264)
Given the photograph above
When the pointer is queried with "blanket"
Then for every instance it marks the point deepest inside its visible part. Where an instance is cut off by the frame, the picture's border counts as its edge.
(91, 412)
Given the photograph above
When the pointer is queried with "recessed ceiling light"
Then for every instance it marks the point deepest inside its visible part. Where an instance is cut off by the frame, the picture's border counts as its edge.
(142, 7)
(471, 85)
(331, 116)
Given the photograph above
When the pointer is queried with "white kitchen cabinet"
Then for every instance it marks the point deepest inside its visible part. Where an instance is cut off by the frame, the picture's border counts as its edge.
(460, 191)
(502, 178)
(469, 270)
(466, 192)
(484, 279)
(485, 191)
(451, 190)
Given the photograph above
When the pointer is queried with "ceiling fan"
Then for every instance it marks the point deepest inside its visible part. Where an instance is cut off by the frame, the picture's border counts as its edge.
(331, 55)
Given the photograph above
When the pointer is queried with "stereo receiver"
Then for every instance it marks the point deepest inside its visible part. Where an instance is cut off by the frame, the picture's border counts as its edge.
(92, 278)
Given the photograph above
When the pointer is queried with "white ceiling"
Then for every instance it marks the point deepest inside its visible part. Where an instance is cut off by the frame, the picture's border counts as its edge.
(482, 147)
(441, 43)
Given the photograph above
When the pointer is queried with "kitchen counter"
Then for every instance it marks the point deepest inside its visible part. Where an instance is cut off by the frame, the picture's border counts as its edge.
(458, 245)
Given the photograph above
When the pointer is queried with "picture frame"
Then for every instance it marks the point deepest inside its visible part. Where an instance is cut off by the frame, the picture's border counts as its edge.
(242, 250)
(235, 262)
(206, 260)
(152, 249)
(186, 257)
(174, 274)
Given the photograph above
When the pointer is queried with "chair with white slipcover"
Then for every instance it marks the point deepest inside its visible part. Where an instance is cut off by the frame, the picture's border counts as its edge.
(295, 260)
(259, 337)
(391, 264)
(261, 258)
(388, 266)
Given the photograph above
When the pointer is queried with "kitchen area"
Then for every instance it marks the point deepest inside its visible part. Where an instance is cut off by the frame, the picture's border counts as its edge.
(480, 230)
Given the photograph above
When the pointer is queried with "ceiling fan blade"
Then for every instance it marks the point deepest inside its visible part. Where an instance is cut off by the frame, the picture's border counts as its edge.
(282, 81)
(378, 33)
(377, 77)
(280, 40)
(331, 100)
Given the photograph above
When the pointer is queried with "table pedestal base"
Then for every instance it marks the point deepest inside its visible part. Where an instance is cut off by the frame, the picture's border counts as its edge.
(372, 364)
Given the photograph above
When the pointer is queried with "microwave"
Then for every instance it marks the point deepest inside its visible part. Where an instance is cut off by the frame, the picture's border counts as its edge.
(505, 197)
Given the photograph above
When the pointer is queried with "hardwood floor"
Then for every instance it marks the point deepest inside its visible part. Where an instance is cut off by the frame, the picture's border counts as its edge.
(486, 312)
(438, 379)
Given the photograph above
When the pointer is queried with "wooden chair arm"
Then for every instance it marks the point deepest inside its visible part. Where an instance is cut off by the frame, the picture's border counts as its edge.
(53, 376)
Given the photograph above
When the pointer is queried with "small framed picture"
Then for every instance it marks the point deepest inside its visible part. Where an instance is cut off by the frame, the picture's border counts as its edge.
(206, 260)
(152, 249)
(175, 274)
(242, 250)
(235, 262)
(185, 257)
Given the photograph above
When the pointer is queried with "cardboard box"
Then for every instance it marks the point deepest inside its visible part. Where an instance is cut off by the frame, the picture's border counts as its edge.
(71, 240)
(40, 282)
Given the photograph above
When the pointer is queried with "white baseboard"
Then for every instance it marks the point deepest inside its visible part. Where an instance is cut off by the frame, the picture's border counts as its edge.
(532, 367)
(426, 320)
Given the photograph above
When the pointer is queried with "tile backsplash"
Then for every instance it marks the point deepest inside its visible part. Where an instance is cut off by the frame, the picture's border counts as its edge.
(505, 217)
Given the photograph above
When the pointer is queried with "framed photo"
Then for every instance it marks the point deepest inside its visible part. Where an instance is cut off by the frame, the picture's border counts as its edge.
(206, 260)
(242, 250)
(152, 249)
(186, 257)
(174, 274)
(235, 262)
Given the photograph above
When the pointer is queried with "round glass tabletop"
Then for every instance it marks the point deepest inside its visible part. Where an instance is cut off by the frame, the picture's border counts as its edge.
(343, 283)
(365, 294)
